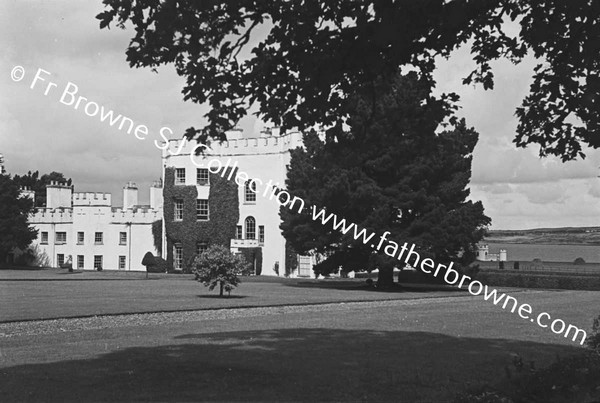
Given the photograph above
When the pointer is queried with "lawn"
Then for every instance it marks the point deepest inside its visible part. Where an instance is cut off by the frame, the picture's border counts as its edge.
(411, 348)
(27, 295)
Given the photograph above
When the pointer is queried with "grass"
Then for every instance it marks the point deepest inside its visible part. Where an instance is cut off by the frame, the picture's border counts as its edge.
(425, 351)
(57, 293)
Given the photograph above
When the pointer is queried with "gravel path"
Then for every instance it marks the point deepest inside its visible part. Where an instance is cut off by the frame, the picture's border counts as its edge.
(38, 327)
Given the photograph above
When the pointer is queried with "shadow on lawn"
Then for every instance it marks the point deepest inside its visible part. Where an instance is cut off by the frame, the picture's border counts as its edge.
(278, 365)
(360, 285)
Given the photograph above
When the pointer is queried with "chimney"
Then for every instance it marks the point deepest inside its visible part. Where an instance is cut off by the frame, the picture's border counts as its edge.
(156, 200)
(130, 195)
(235, 134)
(58, 195)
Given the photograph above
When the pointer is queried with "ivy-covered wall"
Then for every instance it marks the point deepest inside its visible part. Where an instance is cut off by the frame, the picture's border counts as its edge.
(223, 215)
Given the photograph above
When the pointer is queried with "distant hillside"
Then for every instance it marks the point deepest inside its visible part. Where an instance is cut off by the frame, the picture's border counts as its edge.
(548, 236)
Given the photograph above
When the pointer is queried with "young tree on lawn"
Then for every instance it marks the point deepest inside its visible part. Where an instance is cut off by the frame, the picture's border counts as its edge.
(393, 171)
(218, 266)
(14, 230)
(300, 60)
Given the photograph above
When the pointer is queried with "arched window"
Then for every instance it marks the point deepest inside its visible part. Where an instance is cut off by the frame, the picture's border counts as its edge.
(250, 191)
(250, 228)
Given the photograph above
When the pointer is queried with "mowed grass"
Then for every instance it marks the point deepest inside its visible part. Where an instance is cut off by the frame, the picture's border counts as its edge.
(425, 352)
(29, 295)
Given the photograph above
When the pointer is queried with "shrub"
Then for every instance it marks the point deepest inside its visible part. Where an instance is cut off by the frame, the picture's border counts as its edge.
(593, 340)
(276, 268)
(159, 265)
(516, 266)
(537, 260)
(218, 266)
(579, 260)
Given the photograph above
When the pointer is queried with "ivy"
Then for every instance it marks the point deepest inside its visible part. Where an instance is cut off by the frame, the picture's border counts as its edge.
(253, 253)
(223, 215)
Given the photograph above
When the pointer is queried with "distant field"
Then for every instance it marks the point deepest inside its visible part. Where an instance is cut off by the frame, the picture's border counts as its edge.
(548, 236)
(547, 253)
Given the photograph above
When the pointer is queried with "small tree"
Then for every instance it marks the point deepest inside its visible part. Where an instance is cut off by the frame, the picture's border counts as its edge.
(579, 260)
(148, 260)
(218, 266)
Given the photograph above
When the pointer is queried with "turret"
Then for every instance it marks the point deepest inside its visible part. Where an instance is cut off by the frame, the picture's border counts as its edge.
(58, 195)
(130, 195)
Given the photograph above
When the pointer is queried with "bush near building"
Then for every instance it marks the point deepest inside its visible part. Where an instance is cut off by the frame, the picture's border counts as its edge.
(218, 266)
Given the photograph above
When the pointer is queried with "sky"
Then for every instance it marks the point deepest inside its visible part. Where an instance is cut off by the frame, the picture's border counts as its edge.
(37, 132)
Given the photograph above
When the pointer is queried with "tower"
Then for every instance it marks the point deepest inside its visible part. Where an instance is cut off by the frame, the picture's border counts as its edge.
(130, 195)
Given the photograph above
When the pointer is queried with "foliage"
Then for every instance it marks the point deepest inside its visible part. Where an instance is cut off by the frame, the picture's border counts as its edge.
(161, 266)
(563, 281)
(300, 61)
(218, 266)
(38, 184)
(393, 172)
(593, 339)
(574, 379)
(291, 260)
(148, 259)
(579, 260)
(223, 214)
(33, 256)
(157, 235)
(15, 232)
(252, 255)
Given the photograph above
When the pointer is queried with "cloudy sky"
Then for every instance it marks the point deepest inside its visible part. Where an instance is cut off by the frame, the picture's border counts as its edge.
(37, 132)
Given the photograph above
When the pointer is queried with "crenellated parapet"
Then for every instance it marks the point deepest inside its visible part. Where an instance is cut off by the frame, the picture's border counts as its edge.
(245, 146)
(138, 216)
(56, 216)
(92, 199)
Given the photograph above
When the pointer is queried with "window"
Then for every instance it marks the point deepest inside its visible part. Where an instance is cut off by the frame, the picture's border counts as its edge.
(80, 261)
(201, 247)
(202, 210)
(250, 228)
(180, 176)
(97, 262)
(98, 238)
(60, 258)
(250, 191)
(261, 234)
(61, 238)
(44, 238)
(178, 209)
(238, 232)
(122, 260)
(202, 176)
(122, 238)
(178, 256)
(80, 238)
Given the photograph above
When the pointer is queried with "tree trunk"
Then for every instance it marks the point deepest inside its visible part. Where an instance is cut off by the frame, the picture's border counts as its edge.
(385, 279)
(221, 289)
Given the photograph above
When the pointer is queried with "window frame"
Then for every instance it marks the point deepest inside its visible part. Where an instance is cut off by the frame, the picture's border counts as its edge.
(121, 235)
(178, 257)
(261, 234)
(57, 238)
(60, 259)
(96, 259)
(250, 222)
(99, 235)
(249, 195)
(176, 210)
(179, 179)
(122, 262)
(44, 234)
(80, 261)
(199, 216)
(82, 240)
(200, 180)
(201, 245)
(239, 232)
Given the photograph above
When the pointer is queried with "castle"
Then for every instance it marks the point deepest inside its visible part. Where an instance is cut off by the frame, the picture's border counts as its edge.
(195, 207)
(483, 254)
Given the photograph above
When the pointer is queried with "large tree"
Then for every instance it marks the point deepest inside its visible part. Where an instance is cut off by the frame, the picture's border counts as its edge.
(38, 183)
(395, 171)
(300, 60)
(14, 209)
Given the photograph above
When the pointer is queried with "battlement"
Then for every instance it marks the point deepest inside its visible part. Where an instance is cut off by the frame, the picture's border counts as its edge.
(236, 146)
(58, 215)
(57, 184)
(92, 199)
(139, 215)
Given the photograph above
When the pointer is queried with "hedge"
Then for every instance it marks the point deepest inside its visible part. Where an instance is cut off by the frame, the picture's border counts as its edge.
(538, 280)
